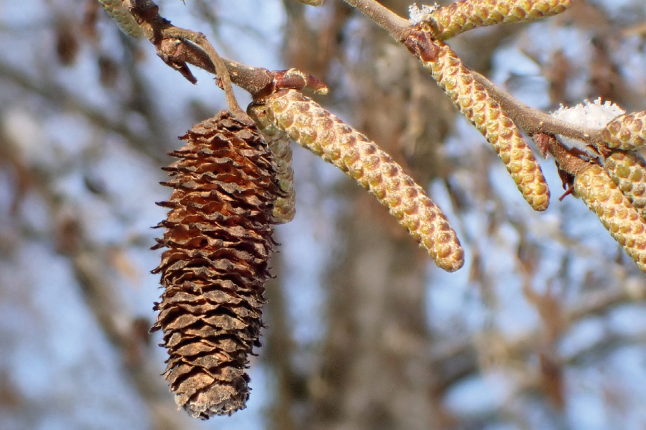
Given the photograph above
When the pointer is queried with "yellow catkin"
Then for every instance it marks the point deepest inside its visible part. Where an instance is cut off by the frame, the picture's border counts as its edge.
(628, 170)
(462, 16)
(474, 101)
(311, 2)
(280, 145)
(122, 17)
(603, 197)
(626, 132)
(326, 135)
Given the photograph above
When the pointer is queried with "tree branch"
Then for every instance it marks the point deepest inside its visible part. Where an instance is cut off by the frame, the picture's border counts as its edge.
(533, 121)
(397, 26)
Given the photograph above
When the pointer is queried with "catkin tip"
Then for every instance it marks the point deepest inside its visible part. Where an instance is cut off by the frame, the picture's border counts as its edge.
(326, 135)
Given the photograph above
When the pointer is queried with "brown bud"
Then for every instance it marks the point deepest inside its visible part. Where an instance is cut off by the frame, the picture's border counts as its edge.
(626, 132)
(462, 16)
(603, 197)
(219, 240)
(628, 170)
(122, 17)
(281, 147)
(475, 102)
(326, 135)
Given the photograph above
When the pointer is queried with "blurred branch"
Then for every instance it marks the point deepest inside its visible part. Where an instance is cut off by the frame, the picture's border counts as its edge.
(458, 360)
(127, 333)
(57, 94)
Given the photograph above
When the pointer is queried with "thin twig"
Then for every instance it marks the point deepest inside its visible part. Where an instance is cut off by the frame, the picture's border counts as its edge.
(533, 121)
(223, 74)
(178, 46)
(397, 26)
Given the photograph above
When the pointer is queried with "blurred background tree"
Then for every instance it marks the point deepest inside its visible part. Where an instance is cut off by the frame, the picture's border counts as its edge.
(542, 329)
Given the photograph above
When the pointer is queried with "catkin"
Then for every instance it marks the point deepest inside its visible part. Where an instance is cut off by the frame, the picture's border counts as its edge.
(474, 101)
(219, 239)
(626, 132)
(628, 170)
(281, 146)
(603, 197)
(311, 2)
(326, 135)
(462, 16)
(122, 17)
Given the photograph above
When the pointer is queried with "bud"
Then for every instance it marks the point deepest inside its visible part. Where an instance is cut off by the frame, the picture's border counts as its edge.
(627, 132)
(474, 101)
(462, 16)
(122, 17)
(628, 170)
(281, 147)
(603, 197)
(326, 135)
(219, 240)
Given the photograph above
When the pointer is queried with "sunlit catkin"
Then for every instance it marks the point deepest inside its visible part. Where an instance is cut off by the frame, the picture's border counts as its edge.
(474, 101)
(281, 146)
(326, 135)
(462, 16)
(122, 17)
(628, 170)
(603, 197)
(626, 132)
(219, 239)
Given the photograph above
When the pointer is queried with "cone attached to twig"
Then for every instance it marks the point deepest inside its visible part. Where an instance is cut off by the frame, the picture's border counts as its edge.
(219, 239)
(323, 133)
(617, 214)
(462, 16)
(482, 110)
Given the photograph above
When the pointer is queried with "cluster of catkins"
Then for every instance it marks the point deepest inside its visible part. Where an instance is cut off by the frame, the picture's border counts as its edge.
(614, 186)
(233, 180)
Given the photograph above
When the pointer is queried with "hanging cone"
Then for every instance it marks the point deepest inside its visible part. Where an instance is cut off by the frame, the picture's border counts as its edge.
(219, 240)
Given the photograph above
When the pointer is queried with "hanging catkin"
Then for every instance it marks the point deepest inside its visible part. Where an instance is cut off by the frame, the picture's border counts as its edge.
(626, 132)
(603, 197)
(628, 170)
(462, 16)
(474, 101)
(122, 17)
(281, 146)
(219, 240)
(326, 135)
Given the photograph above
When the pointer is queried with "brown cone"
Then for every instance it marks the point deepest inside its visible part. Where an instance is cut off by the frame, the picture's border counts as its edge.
(219, 240)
